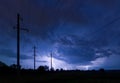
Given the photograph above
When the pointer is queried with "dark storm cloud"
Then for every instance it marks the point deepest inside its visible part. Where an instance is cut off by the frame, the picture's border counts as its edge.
(72, 49)
(106, 3)
(76, 40)
(44, 16)
(11, 54)
(77, 54)
(2, 44)
(112, 62)
(60, 10)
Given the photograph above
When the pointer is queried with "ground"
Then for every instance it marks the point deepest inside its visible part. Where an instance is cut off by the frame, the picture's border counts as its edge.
(64, 77)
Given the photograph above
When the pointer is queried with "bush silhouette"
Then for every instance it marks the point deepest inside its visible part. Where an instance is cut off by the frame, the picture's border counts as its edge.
(13, 66)
(43, 68)
(101, 70)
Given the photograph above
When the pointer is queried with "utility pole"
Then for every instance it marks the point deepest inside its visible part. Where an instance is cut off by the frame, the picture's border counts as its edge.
(51, 61)
(18, 40)
(34, 57)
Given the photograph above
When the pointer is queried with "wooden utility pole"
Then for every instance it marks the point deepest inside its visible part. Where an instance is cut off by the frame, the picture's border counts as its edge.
(18, 40)
(34, 57)
(51, 61)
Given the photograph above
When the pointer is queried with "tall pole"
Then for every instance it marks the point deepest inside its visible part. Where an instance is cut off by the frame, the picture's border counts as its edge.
(51, 61)
(34, 57)
(18, 41)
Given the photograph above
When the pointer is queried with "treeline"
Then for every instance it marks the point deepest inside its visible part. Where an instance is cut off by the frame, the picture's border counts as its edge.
(13, 68)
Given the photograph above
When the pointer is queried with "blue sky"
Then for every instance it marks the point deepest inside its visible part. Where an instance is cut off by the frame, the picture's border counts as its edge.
(82, 34)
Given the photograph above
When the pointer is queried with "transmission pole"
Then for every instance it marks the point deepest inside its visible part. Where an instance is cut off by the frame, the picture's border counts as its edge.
(18, 40)
(51, 61)
(34, 57)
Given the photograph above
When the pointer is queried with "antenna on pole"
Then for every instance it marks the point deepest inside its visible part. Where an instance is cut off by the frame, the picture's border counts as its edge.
(34, 56)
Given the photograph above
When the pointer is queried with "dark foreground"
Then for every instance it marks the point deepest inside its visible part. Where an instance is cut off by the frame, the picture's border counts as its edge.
(61, 77)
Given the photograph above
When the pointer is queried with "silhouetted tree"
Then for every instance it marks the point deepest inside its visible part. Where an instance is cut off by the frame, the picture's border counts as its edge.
(13, 66)
(57, 70)
(101, 70)
(93, 70)
(61, 69)
(43, 68)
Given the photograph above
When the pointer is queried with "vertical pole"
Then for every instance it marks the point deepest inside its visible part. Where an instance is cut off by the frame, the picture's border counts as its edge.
(18, 41)
(34, 57)
(51, 61)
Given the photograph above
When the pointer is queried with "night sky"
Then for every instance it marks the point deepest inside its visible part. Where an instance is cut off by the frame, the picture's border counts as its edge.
(81, 34)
